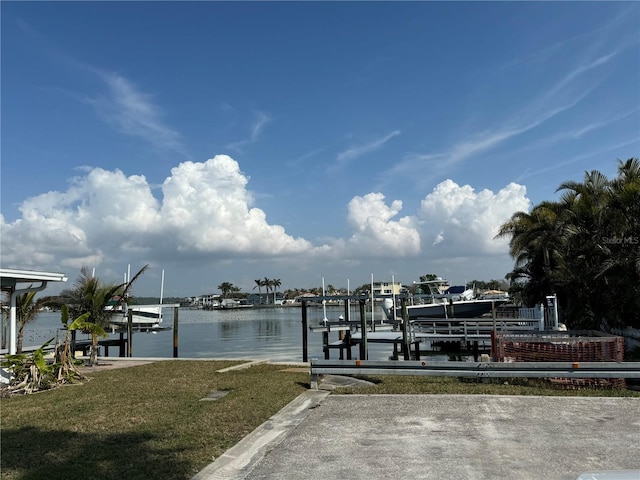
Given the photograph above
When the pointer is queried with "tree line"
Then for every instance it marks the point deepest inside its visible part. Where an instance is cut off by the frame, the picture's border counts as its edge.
(585, 248)
(228, 289)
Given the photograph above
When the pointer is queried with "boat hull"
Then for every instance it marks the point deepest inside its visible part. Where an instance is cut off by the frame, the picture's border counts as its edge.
(460, 309)
(141, 317)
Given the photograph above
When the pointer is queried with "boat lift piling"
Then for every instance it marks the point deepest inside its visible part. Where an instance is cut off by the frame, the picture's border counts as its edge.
(305, 323)
(405, 331)
(175, 331)
(343, 327)
(126, 345)
(363, 329)
(130, 333)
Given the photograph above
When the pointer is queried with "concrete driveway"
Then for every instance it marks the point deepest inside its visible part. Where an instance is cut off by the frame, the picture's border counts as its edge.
(438, 437)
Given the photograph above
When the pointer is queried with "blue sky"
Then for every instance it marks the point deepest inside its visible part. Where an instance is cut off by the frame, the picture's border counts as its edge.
(229, 141)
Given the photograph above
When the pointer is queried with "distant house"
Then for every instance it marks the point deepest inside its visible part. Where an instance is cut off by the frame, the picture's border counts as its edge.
(265, 299)
(387, 288)
(255, 298)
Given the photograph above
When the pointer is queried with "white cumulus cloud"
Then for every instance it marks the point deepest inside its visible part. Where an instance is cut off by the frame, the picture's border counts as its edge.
(210, 205)
(375, 231)
(458, 219)
(203, 215)
(106, 216)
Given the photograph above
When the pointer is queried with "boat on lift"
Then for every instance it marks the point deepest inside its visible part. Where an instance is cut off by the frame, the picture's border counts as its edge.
(143, 317)
(444, 301)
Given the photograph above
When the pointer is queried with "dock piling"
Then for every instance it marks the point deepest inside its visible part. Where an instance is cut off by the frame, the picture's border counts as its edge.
(175, 332)
(305, 355)
(363, 328)
(130, 333)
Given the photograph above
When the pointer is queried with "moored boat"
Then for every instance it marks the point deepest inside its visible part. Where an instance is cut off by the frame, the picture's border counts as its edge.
(142, 316)
(443, 301)
(232, 304)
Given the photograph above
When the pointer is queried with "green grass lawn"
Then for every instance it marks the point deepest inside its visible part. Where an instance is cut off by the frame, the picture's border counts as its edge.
(150, 422)
(142, 422)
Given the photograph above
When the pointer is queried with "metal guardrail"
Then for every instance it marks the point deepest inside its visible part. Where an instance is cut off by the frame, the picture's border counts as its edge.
(476, 369)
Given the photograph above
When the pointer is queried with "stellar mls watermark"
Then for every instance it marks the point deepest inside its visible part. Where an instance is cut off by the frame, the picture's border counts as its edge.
(621, 240)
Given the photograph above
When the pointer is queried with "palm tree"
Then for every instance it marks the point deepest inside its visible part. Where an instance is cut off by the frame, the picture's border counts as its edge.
(66, 370)
(259, 284)
(27, 310)
(90, 295)
(537, 243)
(275, 283)
(619, 241)
(585, 248)
(267, 283)
(226, 288)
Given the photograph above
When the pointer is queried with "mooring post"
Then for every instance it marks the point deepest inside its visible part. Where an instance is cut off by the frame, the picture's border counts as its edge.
(130, 333)
(347, 315)
(122, 352)
(325, 344)
(405, 334)
(175, 332)
(305, 355)
(363, 326)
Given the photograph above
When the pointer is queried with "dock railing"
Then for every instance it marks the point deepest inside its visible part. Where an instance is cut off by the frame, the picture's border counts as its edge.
(477, 326)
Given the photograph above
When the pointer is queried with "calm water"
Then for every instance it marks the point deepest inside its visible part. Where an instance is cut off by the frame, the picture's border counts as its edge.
(257, 333)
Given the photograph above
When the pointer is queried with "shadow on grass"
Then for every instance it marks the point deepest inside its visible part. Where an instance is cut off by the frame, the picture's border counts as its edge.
(65, 455)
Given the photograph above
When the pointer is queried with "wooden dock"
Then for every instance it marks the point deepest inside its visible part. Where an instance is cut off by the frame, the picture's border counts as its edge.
(407, 336)
(402, 337)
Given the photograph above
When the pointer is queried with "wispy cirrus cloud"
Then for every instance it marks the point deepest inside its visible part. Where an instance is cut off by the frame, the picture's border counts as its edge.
(359, 150)
(568, 90)
(122, 104)
(478, 143)
(260, 121)
(607, 149)
(579, 131)
(133, 112)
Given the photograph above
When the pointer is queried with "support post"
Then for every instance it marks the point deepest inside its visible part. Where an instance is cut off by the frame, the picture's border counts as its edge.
(405, 333)
(363, 326)
(325, 344)
(130, 333)
(305, 356)
(175, 332)
(122, 352)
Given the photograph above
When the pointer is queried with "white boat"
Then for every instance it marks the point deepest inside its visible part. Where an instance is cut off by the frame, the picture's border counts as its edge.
(142, 316)
(232, 304)
(443, 301)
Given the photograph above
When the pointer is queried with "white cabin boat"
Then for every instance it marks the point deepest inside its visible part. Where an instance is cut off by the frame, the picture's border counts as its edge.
(142, 316)
(444, 301)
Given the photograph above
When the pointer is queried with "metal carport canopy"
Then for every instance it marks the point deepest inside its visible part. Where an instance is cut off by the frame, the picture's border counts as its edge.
(9, 282)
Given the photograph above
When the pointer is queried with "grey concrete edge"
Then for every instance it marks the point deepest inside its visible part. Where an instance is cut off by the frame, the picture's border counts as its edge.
(239, 460)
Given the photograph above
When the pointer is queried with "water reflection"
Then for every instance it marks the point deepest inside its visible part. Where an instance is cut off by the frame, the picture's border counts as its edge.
(259, 333)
